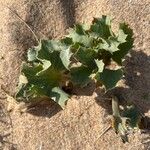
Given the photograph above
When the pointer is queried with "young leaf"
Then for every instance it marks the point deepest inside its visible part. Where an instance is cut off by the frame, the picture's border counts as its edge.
(110, 45)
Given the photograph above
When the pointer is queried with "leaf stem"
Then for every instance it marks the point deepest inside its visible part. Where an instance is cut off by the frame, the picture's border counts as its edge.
(115, 107)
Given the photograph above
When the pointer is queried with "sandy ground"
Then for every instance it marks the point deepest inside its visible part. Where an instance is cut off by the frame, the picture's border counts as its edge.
(85, 117)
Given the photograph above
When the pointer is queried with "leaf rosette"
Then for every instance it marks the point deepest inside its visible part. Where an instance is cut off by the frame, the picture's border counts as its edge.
(85, 54)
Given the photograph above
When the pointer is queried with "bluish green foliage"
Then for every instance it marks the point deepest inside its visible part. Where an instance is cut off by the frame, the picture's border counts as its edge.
(85, 54)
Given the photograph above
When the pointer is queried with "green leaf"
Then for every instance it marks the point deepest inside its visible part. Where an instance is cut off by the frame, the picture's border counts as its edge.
(51, 45)
(121, 36)
(126, 119)
(132, 113)
(30, 88)
(125, 46)
(105, 56)
(109, 77)
(110, 45)
(67, 41)
(78, 35)
(49, 51)
(59, 96)
(86, 56)
(46, 64)
(101, 27)
(30, 70)
(79, 29)
(82, 39)
(80, 75)
(44, 50)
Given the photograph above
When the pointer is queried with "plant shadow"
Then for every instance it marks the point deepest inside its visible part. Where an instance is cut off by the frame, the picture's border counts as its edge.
(46, 108)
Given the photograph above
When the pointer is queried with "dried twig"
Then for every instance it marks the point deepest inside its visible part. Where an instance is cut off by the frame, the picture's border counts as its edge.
(16, 14)
(105, 130)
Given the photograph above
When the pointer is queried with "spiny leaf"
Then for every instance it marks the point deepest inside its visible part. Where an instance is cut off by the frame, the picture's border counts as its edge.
(124, 120)
(125, 46)
(78, 35)
(49, 51)
(109, 77)
(51, 45)
(79, 29)
(67, 41)
(110, 45)
(86, 56)
(46, 65)
(80, 75)
(40, 84)
(101, 27)
(30, 88)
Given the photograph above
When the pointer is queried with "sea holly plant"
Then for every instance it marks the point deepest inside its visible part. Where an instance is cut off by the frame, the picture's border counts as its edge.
(88, 52)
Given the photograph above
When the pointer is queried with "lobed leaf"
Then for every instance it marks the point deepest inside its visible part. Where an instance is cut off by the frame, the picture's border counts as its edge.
(80, 75)
(109, 77)
(85, 52)
(125, 46)
(101, 27)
